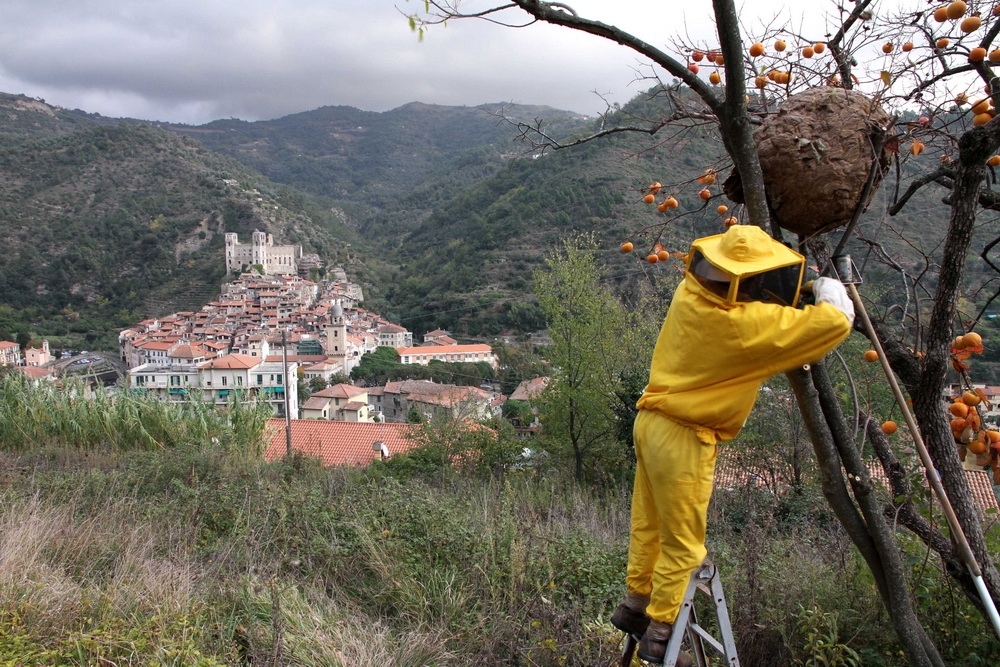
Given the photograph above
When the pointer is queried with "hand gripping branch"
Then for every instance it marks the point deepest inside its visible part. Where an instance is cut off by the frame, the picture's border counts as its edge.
(844, 269)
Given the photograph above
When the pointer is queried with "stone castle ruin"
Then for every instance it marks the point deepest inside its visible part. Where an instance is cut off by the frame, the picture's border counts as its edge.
(261, 251)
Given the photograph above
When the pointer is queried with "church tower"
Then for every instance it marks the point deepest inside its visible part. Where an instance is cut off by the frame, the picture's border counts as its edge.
(336, 338)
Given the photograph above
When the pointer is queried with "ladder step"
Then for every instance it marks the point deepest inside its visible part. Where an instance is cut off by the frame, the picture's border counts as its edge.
(706, 580)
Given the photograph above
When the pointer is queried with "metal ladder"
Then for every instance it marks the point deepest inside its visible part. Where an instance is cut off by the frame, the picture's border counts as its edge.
(706, 580)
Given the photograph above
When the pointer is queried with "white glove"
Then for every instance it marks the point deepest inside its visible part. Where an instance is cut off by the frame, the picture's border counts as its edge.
(828, 290)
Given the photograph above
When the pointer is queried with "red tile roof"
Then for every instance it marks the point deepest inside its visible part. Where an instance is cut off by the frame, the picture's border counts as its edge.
(231, 361)
(440, 341)
(981, 486)
(337, 443)
(341, 391)
(154, 345)
(316, 402)
(35, 372)
(188, 351)
(730, 476)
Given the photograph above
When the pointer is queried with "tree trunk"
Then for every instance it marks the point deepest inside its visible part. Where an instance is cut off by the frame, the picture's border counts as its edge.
(974, 148)
(880, 554)
(898, 601)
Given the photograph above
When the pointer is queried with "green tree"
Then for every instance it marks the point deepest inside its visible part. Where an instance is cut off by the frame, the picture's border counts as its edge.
(317, 384)
(374, 367)
(516, 364)
(339, 378)
(587, 326)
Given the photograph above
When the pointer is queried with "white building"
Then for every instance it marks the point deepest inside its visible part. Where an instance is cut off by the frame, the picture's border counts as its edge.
(219, 380)
(10, 353)
(448, 353)
(395, 336)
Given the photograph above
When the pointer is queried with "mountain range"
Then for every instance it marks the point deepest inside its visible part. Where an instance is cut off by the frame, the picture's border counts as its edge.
(439, 212)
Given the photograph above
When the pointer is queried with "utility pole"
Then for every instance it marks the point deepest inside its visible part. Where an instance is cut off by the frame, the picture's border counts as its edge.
(288, 416)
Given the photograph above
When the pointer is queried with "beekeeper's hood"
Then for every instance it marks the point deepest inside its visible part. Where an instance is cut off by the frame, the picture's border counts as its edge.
(746, 264)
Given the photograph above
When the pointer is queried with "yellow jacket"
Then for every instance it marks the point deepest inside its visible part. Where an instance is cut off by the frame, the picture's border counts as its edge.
(711, 357)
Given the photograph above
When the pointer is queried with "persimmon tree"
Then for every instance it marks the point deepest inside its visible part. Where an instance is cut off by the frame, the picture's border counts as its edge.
(926, 77)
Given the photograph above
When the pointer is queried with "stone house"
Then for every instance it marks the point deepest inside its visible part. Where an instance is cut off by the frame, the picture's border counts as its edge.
(432, 400)
(341, 402)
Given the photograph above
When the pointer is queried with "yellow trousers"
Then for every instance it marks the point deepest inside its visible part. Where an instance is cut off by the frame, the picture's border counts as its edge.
(673, 484)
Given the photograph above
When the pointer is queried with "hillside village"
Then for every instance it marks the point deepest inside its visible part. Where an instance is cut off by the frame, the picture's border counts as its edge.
(270, 327)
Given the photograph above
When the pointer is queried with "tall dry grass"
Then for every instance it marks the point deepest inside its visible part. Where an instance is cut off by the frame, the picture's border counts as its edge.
(203, 555)
(68, 416)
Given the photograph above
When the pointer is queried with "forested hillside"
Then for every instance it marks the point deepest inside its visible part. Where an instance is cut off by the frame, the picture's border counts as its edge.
(106, 224)
(438, 211)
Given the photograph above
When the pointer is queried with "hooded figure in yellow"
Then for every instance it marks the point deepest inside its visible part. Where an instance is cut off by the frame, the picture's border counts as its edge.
(731, 325)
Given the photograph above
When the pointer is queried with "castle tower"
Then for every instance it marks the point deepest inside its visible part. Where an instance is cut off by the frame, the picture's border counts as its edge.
(259, 253)
(232, 263)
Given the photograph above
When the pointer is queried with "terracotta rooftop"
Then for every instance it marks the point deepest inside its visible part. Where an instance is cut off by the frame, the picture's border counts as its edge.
(440, 341)
(188, 351)
(981, 486)
(315, 402)
(35, 372)
(231, 361)
(341, 391)
(337, 443)
(733, 476)
(156, 345)
(436, 333)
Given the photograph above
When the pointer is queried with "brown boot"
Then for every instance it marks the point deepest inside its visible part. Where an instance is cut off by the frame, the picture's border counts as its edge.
(630, 615)
(653, 645)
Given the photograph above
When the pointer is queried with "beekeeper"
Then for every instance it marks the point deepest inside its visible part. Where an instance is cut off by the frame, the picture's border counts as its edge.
(731, 325)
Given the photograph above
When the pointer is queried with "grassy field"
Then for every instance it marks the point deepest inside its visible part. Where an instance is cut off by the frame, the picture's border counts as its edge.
(189, 552)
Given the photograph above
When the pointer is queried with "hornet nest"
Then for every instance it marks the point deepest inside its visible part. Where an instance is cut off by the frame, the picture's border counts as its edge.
(816, 153)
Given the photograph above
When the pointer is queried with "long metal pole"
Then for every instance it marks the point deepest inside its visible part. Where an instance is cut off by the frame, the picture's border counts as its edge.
(288, 416)
(949, 512)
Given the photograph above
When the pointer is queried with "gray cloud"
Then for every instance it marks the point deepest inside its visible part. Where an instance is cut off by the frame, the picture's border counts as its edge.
(197, 60)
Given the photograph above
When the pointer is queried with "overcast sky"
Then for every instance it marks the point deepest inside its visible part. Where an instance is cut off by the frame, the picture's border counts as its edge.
(192, 61)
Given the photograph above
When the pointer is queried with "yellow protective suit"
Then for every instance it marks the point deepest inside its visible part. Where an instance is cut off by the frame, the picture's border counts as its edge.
(709, 362)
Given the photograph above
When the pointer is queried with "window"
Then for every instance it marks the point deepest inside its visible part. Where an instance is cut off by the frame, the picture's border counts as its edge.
(175, 380)
(225, 380)
(260, 379)
(279, 378)
(239, 380)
